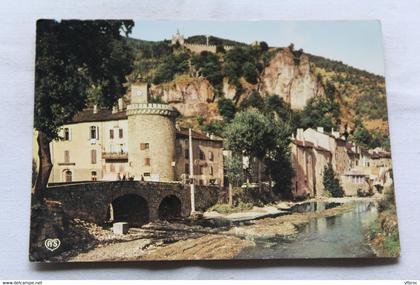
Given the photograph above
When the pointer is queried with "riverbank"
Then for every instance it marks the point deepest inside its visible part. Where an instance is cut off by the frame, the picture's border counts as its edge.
(383, 233)
(285, 226)
(191, 239)
(282, 207)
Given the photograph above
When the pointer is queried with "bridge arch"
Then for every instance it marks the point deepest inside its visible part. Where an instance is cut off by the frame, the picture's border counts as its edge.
(170, 207)
(130, 208)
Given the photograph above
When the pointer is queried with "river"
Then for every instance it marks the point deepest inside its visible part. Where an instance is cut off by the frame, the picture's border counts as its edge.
(334, 237)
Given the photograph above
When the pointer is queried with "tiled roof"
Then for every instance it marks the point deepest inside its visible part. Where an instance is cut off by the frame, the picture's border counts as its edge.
(382, 154)
(87, 115)
(308, 145)
(302, 143)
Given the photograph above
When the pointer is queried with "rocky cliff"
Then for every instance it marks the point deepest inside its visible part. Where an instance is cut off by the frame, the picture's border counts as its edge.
(190, 96)
(291, 79)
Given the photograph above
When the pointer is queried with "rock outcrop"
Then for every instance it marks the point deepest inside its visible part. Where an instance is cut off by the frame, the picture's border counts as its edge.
(190, 96)
(295, 83)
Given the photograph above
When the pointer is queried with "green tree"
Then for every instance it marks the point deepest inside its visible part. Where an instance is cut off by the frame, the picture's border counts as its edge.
(215, 127)
(331, 182)
(362, 137)
(172, 65)
(276, 108)
(241, 61)
(279, 165)
(226, 109)
(263, 46)
(233, 172)
(254, 100)
(320, 112)
(208, 65)
(249, 71)
(220, 49)
(76, 62)
(252, 134)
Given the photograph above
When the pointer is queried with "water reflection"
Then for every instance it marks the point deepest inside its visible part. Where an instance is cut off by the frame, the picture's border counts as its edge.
(337, 236)
(313, 207)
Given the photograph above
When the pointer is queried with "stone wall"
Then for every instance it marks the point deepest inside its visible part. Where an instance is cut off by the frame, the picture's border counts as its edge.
(206, 196)
(197, 48)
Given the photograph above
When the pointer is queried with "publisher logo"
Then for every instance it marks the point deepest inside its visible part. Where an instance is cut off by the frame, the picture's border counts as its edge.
(52, 244)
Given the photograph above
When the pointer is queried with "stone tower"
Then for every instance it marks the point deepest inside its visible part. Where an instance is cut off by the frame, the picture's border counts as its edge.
(151, 144)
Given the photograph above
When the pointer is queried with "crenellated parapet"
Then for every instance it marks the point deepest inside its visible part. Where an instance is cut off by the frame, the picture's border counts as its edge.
(151, 109)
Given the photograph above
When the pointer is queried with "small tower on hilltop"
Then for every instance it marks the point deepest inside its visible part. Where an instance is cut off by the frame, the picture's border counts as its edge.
(177, 38)
(151, 141)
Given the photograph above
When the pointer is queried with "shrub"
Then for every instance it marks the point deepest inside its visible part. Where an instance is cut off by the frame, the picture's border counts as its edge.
(331, 183)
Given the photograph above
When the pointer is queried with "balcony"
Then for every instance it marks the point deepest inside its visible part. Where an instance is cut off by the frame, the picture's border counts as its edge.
(115, 155)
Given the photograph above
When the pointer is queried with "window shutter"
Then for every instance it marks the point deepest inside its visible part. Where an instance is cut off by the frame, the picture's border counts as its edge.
(97, 132)
(69, 134)
(93, 156)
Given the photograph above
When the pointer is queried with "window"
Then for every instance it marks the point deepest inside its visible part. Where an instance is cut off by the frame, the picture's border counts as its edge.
(144, 146)
(186, 154)
(211, 156)
(146, 174)
(147, 161)
(67, 176)
(120, 133)
(94, 132)
(93, 156)
(66, 156)
(211, 170)
(111, 134)
(202, 155)
(201, 170)
(93, 175)
(187, 168)
(67, 134)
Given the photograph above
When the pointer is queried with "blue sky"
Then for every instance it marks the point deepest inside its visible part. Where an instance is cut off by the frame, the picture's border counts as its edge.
(357, 43)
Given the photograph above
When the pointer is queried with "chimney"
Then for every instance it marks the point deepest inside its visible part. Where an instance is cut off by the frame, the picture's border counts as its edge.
(320, 129)
(299, 134)
(95, 109)
(120, 104)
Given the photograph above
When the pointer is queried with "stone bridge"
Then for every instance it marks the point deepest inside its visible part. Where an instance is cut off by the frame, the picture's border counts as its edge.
(135, 202)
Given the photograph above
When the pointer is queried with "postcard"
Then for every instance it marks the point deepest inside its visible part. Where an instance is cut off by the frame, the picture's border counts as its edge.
(210, 140)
